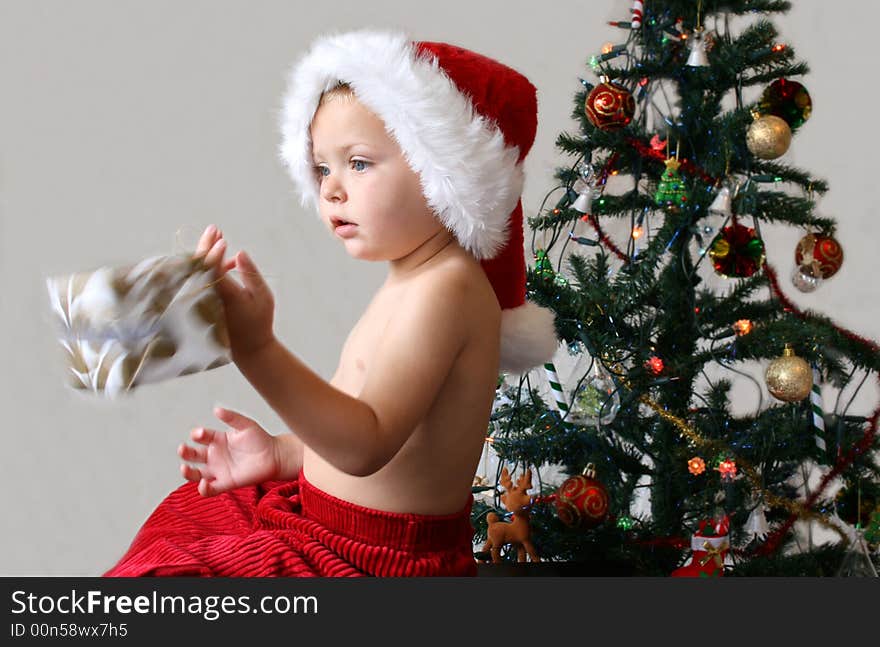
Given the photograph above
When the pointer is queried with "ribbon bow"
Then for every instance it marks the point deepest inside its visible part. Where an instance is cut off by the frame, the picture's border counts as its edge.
(713, 552)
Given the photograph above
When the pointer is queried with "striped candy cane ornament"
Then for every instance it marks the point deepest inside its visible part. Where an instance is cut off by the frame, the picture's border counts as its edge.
(556, 386)
(638, 10)
(818, 414)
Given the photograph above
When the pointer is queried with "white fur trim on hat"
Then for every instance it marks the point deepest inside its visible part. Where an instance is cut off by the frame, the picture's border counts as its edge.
(528, 337)
(469, 177)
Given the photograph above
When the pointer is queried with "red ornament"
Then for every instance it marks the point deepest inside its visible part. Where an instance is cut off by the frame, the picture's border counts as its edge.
(610, 106)
(786, 99)
(654, 364)
(582, 501)
(819, 256)
(737, 251)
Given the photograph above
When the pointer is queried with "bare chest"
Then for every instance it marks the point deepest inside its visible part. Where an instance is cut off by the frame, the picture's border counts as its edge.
(359, 349)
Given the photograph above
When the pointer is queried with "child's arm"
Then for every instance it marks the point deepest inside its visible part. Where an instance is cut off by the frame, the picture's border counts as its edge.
(356, 435)
(360, 435)
(290, 456)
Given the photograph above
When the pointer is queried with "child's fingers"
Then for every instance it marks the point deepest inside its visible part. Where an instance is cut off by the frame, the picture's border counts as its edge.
(250, 275)
(228, 288)
(190, 473)
(206, 488)
(215, 255)
(207, 239)
(193, 454)
(202, 435)
(233, 418)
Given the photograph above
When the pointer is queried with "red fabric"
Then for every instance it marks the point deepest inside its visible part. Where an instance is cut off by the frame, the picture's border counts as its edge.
(496, 91)
(293, 529)
(509, 100)
(507, 270)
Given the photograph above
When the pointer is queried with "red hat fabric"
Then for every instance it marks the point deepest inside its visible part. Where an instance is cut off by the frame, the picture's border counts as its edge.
(465, 123)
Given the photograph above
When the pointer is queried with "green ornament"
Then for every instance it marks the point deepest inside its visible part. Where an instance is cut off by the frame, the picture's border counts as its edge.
(625, 522)
(671, 192)
(544, 269)
(590, 399)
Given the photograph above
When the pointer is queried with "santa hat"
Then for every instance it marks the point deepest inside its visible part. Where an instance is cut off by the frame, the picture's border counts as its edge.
(465, 123)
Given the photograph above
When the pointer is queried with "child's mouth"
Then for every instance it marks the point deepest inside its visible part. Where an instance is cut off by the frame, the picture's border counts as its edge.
(344, 229)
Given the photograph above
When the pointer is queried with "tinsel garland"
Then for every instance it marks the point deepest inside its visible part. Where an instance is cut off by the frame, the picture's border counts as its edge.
(645, 151)
(856, 450)
(591, 219)
(687, 166)
(797, 510)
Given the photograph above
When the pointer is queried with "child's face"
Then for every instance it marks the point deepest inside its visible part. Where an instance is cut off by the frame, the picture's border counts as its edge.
(369, 184)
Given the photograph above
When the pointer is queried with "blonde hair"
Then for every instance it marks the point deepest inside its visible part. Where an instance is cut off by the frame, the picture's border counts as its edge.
(341, 90)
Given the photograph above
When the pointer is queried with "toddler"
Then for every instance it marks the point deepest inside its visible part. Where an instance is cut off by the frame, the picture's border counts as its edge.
(412, 153)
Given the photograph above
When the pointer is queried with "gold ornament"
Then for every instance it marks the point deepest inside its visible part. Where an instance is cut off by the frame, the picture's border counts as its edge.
(789, 377)
(687, 431)
(768, 137)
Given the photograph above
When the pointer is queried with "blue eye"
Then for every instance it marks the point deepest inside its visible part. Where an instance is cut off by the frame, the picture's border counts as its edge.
(360, 162)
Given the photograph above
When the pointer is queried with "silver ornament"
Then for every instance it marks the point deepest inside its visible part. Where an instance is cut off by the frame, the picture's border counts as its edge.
(804, 280)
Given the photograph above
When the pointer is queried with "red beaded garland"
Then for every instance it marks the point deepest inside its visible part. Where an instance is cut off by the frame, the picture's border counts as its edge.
(610, 106)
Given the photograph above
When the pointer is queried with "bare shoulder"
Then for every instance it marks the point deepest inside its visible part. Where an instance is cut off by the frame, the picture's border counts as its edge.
(461, 283)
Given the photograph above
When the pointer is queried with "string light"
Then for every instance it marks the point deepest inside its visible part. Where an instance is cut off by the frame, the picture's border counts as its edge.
(743, 327)
(654, 364)
(696, 466)
(727, 467)
(796, 508)
(637, 232)
(612, 52)
(800, 510)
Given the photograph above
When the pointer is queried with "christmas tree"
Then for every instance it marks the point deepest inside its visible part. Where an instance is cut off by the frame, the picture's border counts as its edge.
(684, 126)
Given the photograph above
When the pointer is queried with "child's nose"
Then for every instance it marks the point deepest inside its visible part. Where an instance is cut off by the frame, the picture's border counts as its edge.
(332, 189)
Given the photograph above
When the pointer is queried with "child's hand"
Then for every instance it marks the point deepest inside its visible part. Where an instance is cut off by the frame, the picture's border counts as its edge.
(245, 455)
(250, 308)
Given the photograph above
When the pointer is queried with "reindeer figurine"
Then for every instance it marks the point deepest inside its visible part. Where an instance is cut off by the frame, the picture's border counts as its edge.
(515, 532)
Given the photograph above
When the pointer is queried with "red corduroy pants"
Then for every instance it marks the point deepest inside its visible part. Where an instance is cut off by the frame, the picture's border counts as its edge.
(293, 529)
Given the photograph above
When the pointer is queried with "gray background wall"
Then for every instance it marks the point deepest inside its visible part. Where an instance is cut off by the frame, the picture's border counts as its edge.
(126, 127)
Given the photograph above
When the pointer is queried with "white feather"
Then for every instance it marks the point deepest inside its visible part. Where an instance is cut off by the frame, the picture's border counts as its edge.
(55, 301)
